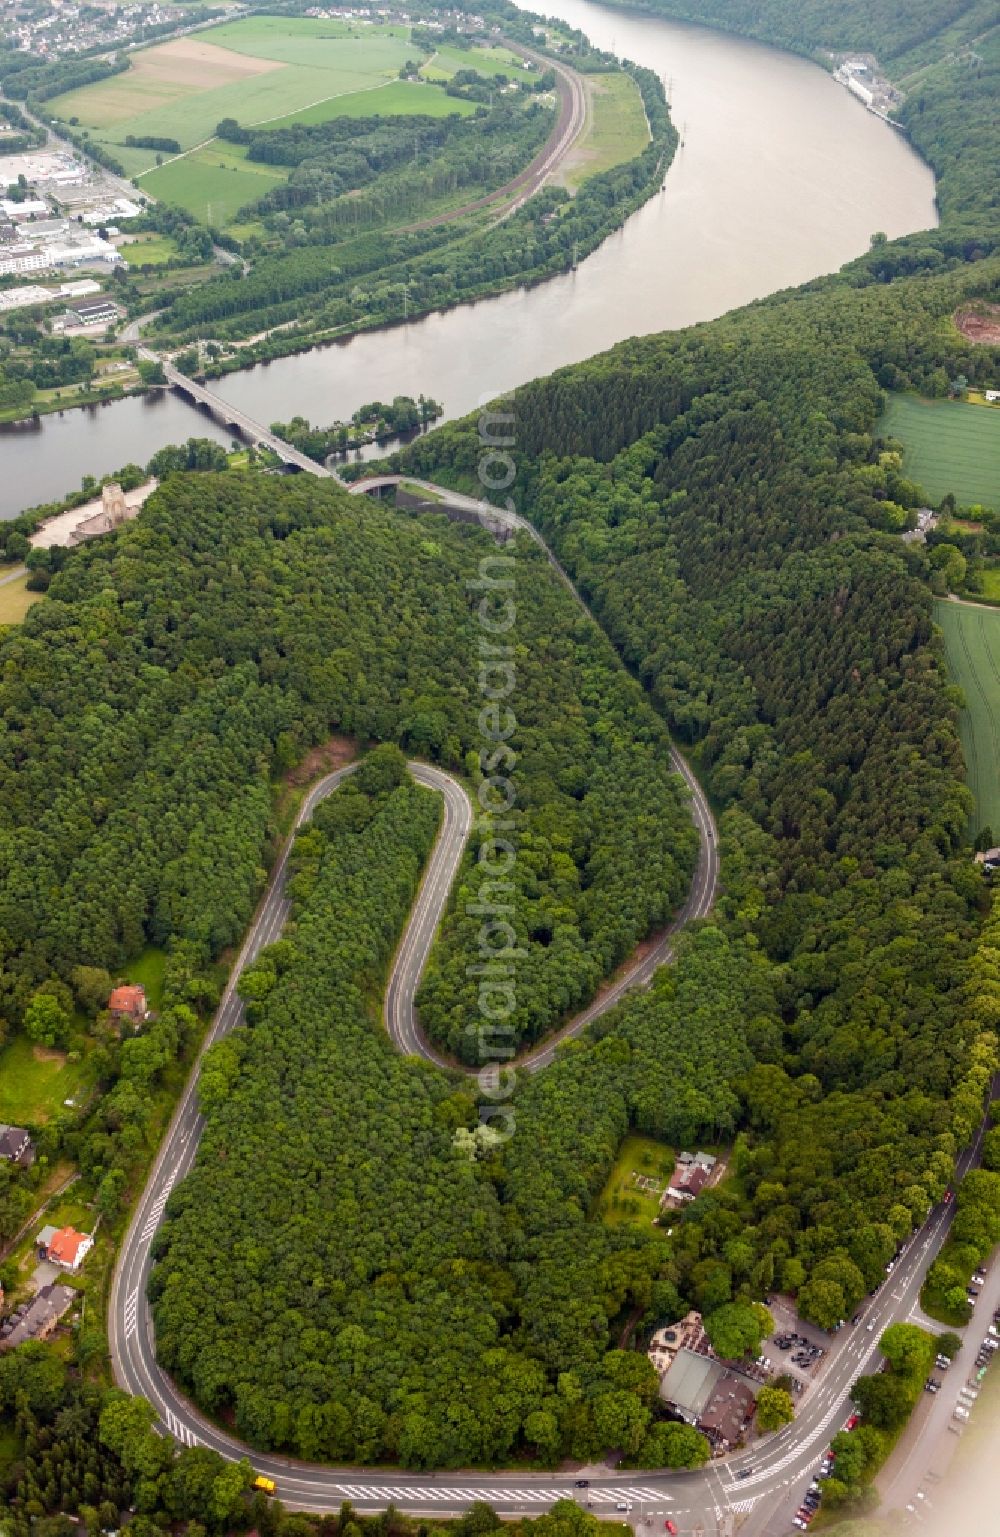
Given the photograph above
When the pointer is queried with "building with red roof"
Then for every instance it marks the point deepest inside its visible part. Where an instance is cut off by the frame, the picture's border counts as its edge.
(129, 1003)
(64, 1246)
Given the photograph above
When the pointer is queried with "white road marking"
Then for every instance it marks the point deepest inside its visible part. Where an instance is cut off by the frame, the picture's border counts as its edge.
(131, 1314)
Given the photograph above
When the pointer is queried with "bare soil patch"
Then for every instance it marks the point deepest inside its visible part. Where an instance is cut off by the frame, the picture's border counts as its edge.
(199, 66)
(329, 755)
(980, 325)
(48, 1054)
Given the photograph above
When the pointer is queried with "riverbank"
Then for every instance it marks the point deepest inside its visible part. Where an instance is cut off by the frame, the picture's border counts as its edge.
(802, 176)
(70, 401)
(386, 278)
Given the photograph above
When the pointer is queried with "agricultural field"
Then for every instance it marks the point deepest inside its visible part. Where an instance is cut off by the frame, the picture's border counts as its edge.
(214, 182)
(35, 1082)
(397, 98)
(15, 599)
(948, 445)
(972, 643)
(488, 62)
(616, 128)
(256, 70)
(629, 1197)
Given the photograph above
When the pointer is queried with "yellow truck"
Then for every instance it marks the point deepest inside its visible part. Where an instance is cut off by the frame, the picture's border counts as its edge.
(265, 1485)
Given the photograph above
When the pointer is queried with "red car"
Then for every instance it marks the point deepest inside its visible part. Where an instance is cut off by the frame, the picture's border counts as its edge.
(671, 1528)
(855, 1419)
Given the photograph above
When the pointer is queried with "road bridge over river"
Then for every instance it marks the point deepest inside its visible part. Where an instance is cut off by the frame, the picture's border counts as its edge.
(246, 426)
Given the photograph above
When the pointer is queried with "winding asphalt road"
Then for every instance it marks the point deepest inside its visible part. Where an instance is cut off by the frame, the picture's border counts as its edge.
(760, 1488)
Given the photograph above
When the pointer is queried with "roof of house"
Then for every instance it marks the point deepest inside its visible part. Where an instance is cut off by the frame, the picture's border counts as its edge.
(690, 1381)
(126, 1000)
(13, 1141)
(65, 1245)
(729, 1408)
(48, 1304)
(689, 1179)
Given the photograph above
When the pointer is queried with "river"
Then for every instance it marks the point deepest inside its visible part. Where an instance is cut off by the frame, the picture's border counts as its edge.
(781, 176)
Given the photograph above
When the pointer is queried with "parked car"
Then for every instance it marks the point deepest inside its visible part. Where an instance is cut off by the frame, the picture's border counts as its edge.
(854, 1420)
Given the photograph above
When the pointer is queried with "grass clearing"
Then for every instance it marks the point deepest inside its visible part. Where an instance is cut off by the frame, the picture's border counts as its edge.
(34, 1083)
(150, 250)
(972, 644)
(948, 445)
(213, 183)
(616, 129)
(625, 1199)
(147, 970)
(15, 600)
(446, 62)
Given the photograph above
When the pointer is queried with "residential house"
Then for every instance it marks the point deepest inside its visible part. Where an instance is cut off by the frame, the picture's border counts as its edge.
(16, 1145)
(692, 1172)
(64, 1247)
(128, 1003)
(36, 1320)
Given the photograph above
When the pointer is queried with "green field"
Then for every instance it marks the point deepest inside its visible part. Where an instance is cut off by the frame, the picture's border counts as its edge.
(15, 600)
(972, 642)
(616, 128)
(948, 446)
(151, 250)
(489, 62)
(623, 1201)
(256, 70)
(147, 970)
(392, 100)
(33, 1088)
(214, 182)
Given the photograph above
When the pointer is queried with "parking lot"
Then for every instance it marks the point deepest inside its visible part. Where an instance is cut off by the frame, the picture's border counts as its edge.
(808, 1351)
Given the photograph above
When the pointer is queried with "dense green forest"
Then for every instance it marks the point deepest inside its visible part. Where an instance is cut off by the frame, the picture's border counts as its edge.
(723, 501)
(376, 1292)
(83, 1455)
(720, 497)
(198, 653)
